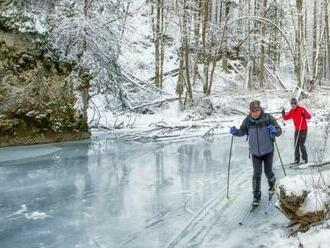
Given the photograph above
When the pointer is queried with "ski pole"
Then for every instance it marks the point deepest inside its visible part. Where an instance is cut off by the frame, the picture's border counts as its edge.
(279, 155)
(230, 151)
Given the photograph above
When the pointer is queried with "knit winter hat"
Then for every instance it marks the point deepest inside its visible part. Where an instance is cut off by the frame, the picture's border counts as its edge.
(294, 101)
(255, 105)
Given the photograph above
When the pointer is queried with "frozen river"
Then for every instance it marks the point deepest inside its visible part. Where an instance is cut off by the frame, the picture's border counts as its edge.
(103, 194)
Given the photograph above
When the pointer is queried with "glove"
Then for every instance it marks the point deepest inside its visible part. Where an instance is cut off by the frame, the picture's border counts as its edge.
(283, 112)
(272, 130)
(233, 130)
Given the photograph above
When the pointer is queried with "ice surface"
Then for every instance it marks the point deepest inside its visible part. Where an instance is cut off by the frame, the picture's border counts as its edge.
(106, 194)
(24, 152)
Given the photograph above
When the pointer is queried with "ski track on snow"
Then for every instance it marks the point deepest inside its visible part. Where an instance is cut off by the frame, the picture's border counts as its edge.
(197, 229)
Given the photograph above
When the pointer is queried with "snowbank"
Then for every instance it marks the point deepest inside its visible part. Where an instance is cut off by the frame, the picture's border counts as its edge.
(314, 238)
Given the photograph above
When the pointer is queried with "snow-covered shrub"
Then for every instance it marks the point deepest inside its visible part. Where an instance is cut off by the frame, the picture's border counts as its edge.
(87, 34)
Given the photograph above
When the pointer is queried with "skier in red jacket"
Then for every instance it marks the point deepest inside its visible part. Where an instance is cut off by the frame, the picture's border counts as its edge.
(300, 116)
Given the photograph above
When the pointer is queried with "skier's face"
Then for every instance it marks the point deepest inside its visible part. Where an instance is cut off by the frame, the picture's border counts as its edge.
(255, 113)
(294, 106)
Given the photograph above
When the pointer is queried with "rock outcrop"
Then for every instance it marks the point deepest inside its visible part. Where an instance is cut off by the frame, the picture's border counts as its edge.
(41, 100)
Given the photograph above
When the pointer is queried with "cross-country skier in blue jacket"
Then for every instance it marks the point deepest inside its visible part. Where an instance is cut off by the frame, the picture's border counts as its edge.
(261, 129)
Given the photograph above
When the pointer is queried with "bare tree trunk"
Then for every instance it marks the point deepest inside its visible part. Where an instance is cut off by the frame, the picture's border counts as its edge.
(162, 46)
(159, 33)
(262, 52)
(216, 55)
(186, 49)
(180, 83)
(327, 38)
(249, 29)
(197, 23)
(225, 48)
(314, 34)
(207, 45)
(205, 21)
(298, 43)
(86, 6)
(153, 20)
(157, 43)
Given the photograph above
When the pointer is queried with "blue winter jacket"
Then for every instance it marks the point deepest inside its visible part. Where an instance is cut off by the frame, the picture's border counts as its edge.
(260, 140)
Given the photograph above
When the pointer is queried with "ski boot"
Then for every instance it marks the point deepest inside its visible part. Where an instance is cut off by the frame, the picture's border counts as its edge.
(256, 199)
(256, 181)
(271, 185)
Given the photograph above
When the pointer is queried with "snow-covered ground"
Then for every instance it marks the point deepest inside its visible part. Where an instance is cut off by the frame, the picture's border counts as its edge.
(102, 193)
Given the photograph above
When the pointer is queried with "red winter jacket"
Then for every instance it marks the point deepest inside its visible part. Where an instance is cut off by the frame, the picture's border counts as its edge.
(299, 116)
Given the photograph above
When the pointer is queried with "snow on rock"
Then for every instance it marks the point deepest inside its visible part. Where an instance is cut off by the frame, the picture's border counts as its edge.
(305, 199)
(294, 185)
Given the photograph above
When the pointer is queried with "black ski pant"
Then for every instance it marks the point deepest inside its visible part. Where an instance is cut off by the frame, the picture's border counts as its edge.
(267, 159)
(299, 145)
